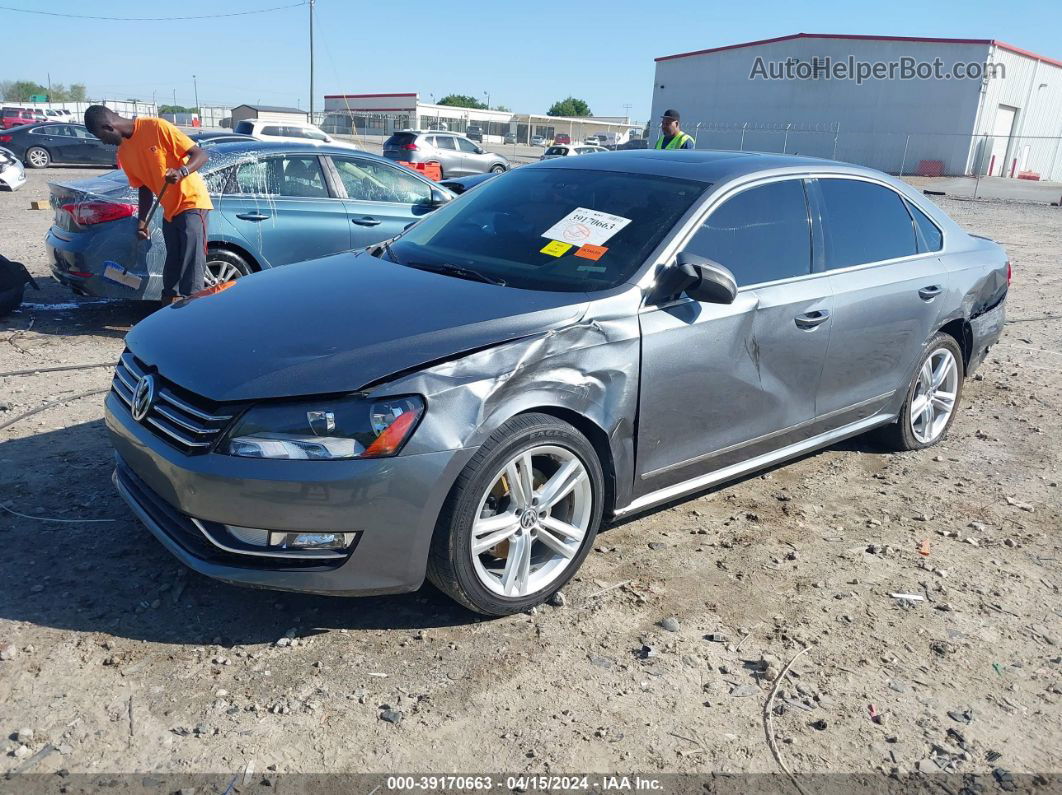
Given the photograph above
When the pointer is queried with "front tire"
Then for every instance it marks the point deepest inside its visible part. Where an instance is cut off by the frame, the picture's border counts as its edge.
(932, 398)
(521, 518)
(498, 169)
(38, 157)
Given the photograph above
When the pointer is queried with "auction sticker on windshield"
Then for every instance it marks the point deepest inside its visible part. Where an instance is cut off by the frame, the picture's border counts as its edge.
(582, 226)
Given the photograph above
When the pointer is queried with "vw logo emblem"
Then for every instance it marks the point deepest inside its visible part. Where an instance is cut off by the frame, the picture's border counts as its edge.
(528, 519)
(143, 397)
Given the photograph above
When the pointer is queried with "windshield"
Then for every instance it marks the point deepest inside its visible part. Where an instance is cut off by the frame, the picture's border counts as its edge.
(555, 229)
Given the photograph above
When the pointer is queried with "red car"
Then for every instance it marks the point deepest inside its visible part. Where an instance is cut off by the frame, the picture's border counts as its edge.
(562, 138)
(16, 117)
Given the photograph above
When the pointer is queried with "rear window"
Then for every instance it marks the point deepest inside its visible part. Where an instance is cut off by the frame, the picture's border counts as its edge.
(399, 140)
(557, 150)
(245, 127)
(515, 227)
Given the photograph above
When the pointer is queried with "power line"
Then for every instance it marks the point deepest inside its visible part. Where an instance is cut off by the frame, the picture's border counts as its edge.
(151, 19)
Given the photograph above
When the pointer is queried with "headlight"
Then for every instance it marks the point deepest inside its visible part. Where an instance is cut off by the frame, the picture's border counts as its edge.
(327, 429)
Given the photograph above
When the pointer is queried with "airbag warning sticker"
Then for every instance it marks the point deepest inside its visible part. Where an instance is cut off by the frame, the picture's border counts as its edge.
(582, 226)
(556, 248)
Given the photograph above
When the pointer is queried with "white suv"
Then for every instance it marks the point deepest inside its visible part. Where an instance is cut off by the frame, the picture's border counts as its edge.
(299, 132)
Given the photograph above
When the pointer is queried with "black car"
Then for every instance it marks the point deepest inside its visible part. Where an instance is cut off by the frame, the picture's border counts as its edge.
(474, 133)
(40, 145)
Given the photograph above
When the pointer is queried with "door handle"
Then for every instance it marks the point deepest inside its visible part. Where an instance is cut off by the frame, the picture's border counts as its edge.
(253, 216)
(929, 293)
(365, 220)
(811, 320)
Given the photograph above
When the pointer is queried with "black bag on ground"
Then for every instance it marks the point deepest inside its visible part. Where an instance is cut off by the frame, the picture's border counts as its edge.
(13, 280)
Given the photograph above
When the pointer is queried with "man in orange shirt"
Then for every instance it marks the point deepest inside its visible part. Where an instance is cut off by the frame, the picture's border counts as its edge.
(152, 152)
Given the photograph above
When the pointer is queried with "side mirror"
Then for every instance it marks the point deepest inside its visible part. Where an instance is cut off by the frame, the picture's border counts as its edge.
(700, 278)
(479, 151)
(438, 198)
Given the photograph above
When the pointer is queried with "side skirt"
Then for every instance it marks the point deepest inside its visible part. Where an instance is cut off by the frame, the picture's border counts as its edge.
(669, 493)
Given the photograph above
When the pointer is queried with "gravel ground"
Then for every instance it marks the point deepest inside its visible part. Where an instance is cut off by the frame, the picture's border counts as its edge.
(122, 661)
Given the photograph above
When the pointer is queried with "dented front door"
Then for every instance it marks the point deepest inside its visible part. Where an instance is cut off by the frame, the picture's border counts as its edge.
(722, 384)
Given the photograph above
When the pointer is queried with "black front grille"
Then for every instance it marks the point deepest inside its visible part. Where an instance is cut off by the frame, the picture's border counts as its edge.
(190, 423)
(184, 531)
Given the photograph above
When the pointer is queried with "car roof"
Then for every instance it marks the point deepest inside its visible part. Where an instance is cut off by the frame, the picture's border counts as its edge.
(704, 165)
(255, 146)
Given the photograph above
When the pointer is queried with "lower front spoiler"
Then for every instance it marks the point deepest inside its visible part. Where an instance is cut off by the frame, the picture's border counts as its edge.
(190, 540)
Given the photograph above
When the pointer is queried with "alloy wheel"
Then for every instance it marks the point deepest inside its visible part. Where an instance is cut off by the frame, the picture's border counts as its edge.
(532, 521)
(934, 397)
(219, 272)
(38, 158)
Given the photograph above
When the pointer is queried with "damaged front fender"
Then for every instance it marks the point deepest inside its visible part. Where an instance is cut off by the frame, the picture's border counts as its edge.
(589, 368)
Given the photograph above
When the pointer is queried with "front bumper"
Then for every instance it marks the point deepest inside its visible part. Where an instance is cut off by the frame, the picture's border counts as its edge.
(392, 504)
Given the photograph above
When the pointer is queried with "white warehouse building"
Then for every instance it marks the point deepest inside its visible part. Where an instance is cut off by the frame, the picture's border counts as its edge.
(904, 105)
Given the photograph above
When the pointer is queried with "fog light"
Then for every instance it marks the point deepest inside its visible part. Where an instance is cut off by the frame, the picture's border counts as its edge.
(311, 540)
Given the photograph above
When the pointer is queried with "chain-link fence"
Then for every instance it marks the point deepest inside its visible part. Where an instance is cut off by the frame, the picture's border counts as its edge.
(903, 153)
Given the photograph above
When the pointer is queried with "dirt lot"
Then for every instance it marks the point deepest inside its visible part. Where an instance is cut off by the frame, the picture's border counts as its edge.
(118, 660)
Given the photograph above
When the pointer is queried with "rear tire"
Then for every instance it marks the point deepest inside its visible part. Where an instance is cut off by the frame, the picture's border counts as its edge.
(536, 542)
(932, 398)
(223, 265)
(38, 157)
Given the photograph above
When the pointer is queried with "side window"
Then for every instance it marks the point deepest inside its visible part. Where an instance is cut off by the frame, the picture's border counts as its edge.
(932, 237)
(762, 234)
(466, 145)
(217, 181)
(315, 135)
(445, 142)
(864, 223)
(282, 176)
(273, 130)
(375, 182)
(302, 176)
(82, 132)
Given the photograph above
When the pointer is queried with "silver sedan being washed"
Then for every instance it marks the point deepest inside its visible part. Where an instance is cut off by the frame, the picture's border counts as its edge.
(577, 340)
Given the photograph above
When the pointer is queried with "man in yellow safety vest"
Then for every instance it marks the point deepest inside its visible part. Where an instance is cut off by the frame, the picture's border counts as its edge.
(671, 136)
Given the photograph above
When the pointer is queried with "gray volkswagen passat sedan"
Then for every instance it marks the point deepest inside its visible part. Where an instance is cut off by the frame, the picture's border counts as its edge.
(579, 339)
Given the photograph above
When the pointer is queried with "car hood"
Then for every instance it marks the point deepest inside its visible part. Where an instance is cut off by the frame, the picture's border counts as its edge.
(335, 325)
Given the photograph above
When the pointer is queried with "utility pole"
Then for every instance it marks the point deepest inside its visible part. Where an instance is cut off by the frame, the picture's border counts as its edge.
(175, 97)
(311, 60)
(627, 112)
(49, 86)
(487, 94)
(195, 85)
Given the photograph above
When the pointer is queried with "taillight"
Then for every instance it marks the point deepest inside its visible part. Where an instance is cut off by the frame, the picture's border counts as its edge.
(6, 139)
(97, 212)
(1010, 273)
(409, 147)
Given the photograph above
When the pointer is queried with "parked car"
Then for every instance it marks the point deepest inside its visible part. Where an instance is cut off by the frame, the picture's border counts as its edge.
(567, 150)
(12, 174)
(292, 131)
(562, 138)
(40, 145)
(538, 140)
(474, 133)
(510, 138)
(274, 204)
(58, 114)
(17, 117)
(456, 155)
(213, 137)
(574, 340)
(459, 185)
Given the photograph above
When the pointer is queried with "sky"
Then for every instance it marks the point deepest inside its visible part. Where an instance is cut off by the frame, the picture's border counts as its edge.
(523, 55)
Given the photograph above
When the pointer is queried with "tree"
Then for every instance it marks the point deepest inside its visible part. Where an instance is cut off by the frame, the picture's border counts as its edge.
(462, 101)
(22, 90)
(76, 93)
(569, 107)
(175, 109)
(503, 108)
